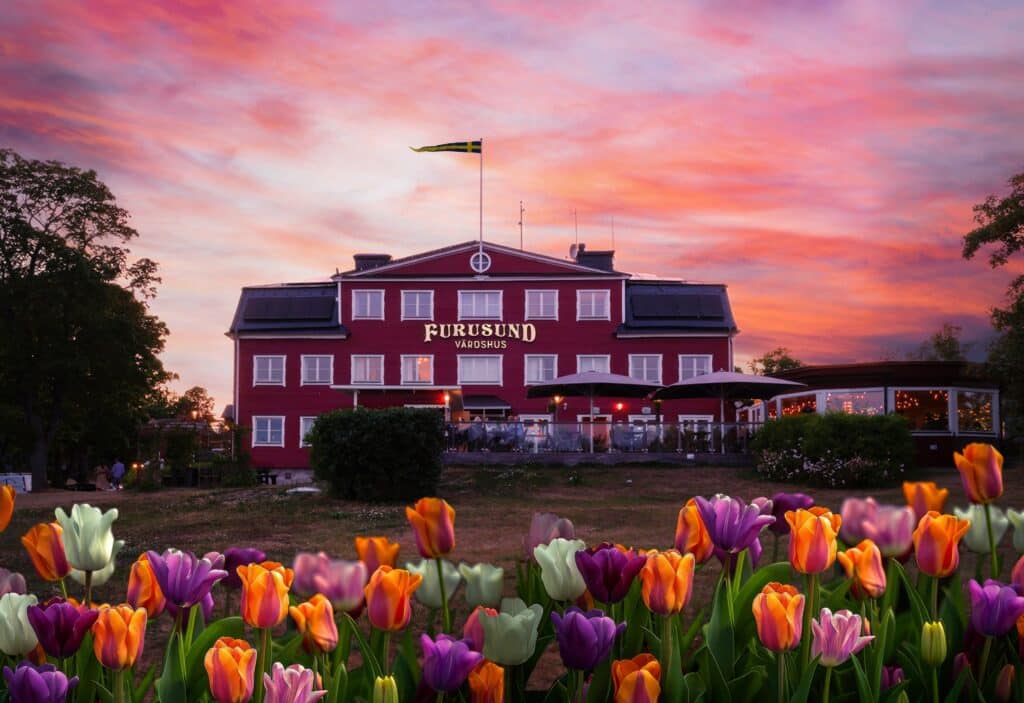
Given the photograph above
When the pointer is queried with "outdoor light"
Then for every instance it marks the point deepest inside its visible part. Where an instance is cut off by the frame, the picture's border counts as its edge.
(619, 406)
(447, 398)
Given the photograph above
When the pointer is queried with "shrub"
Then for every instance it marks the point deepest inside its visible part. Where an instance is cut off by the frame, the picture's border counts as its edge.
(378, 455)
(835, 450)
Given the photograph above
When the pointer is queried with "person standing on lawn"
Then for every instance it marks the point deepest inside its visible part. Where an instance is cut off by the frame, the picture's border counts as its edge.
(116, 474)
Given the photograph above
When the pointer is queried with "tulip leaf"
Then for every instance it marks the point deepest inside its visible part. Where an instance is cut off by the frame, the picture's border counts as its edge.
(139, 692)
(954, 693)
(196, 671)
(917, 605)
(747, 686)
(88, 670)
(865, 691)
(600, 682)
(803, 689)
(364, 649)
(719, 632)
(693, 687)
(338, 684)
(103, 694)
(171, 684)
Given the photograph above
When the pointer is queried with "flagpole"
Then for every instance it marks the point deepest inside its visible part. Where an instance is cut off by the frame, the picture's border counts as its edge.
(481, 196)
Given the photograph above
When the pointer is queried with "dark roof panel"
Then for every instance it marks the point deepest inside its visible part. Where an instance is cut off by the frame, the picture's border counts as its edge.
(288, 309)
(670, 308)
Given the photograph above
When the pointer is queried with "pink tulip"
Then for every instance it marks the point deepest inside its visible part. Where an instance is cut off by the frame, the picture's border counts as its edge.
(837, 637)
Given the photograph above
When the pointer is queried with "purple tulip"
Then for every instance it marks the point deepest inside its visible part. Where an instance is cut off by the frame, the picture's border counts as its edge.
(732, 525)
(306, 566)
(447, 662)
(38, 684)
(854, 512)
(343, 583)
(585, 639)
(185, 579)
(60, 626)
(235, 557)
(782, 503)
(545, 527)
(292, 685)
(12, 582)
(892, 675)
(994, 607)
(608, 572)
(836, 637)
(891, 527)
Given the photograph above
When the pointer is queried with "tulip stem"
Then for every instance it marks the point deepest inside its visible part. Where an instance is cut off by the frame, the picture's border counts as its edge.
(261, 664)
(780, 657)
(828, 683)
(64, 589)
(805, 640)
(984, 660)
(935, 598)
(446, 616)
(385, 658)
(935, 684)
(119, 686)
(669, 658)
(88, 589)
(991, 541)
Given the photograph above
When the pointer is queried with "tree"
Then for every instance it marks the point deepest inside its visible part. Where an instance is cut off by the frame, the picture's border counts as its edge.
(778, 359)
(78, 347)
(944, 345)
(195, 400)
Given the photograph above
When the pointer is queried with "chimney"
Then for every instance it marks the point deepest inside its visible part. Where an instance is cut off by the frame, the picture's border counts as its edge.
(603, 260)
(365, 262)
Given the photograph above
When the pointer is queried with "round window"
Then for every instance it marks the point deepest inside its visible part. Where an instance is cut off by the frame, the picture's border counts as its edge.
(480, 262)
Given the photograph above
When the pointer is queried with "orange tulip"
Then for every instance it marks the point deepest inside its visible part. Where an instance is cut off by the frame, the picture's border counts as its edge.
(315, 620)
(923, 496)
(265, 593)
(937, 543)
(387, 598)
(231, 667)
(143, 589)
(376, 552)
(487, 683)
(812, 539)
(667, 581)
(779, 611)
(691, 534)
(433, 524)
(119, 633)
(863, 564)
(637, 680)
(6, 506)
(981, 471)
(45, 548)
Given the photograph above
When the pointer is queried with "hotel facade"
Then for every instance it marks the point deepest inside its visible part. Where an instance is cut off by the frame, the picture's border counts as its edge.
(467, 329)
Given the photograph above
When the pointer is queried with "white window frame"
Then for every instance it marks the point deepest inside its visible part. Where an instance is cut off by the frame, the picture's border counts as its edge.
(407, 382)
(526, 304)
(501, 369)
(430, 314)
(501, 304)
(255, 430)
(607, 304)
(606, 357)
(330, 370)
(660, 367)
(526, 367)
(357, 291)
(679, 367)
(303, 444)
(352, 370)
(255, 370)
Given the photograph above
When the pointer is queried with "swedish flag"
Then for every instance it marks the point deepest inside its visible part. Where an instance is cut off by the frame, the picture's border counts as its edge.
(465, 147)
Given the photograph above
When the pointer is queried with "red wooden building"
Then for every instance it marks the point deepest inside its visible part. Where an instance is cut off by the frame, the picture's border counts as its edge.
(466, 330)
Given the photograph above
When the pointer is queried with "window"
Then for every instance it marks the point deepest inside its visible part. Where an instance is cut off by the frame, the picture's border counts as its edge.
(417, 305)
(691, 365)
(855, 402)
(268, 370)
(925, 410)
(804, 404)
(593, 305)
(367, 305)
(974, 411)
(368, 369)
(417, 370)
(541, 368)
(268, 431)
(317, 370)
(480, 369)
(593, 362)
(645, 367)
(305, 425)
(542, 305)
(480, 305)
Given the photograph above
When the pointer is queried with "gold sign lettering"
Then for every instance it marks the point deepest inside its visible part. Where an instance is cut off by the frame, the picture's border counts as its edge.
(522, 331)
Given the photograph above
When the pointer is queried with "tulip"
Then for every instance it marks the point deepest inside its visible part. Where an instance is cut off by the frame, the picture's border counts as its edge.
(863, 564)
(511, 636)
(667, 581)
(935, 543)
(103, 575)
(265, 593)
(782, 503)
(342, 581)
(890, 527)
(778, 611)
(976, 538)
(118, 636)
(608, 572)
(60, 626)
(732, 525)
(184, 579)
(1017, 575)
(235, 557)
(484, 584)
(11, 582)
(923, 496)
(473, 630)
(385, 690)
(433, 525)
(691, 534)
(88, 541)
(292, 685)
(637, 680)
(429, 592)
(558, 571)
(447, 662)
(38, 684)
(387, 598)
(891, 676)
(545, 527)
(315, 620)
(1016, 518)
(231, 667)
(6, 506)
(305, 567)
(17, 637)
(933, 643)
(376, 552)
(994, 607)
(487, 683)
(981, 471)
(1004, 683)
(143, 589)
(812, 542)
(46, 550)
(585, 639)
(837, 637)
(854, 513)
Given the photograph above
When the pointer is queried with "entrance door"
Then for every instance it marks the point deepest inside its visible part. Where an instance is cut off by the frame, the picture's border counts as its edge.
(602, 423)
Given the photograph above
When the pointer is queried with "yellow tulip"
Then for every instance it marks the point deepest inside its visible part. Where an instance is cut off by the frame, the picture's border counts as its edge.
(265, 593)
(923, 496)
(143, 589)
(387, 598)
(433, 525)
(376, 552)
(667, 581)
(231, 667)
(637, 680)
(487, 683)
(863, 564)
(6, 506)
(45, 548)
(315, 620)
(691, 533)
(812, 539)
(779, 611)
(981, 471)
(937, 543)
(118, 636)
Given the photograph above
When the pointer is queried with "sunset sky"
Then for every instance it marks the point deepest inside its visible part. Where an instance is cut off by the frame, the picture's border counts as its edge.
(821, 158)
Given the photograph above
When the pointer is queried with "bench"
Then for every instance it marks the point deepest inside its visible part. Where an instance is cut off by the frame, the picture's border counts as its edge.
(267, 477)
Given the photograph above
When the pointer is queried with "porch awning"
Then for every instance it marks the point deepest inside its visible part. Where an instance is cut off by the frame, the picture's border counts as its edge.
(484, 402)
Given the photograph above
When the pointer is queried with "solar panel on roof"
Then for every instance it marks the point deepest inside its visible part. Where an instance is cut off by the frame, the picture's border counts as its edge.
(289, 309)
(665, 307)
(711, 307)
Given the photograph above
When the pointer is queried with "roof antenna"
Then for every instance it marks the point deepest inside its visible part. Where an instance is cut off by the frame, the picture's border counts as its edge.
(576, 224)
(613, 232)
(521, 211)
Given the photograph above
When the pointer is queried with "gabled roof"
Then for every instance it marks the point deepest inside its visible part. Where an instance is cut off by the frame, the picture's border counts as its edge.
(295, 308)
(668, 307)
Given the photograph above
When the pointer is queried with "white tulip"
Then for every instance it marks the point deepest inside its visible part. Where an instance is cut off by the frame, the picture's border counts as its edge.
(976, 538)
(89, 543)
(429, 592)
(17, 638)
(484, 584)
(558, 571)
